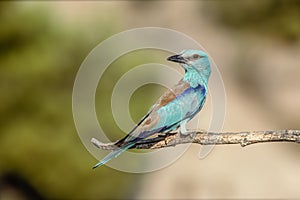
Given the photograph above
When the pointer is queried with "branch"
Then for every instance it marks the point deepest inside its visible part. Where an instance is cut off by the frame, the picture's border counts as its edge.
(210, 138)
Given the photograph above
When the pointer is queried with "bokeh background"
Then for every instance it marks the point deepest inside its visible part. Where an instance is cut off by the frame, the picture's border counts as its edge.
(42, 44)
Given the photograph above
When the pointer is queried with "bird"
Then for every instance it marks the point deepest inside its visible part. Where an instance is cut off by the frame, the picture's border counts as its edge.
(175, 107)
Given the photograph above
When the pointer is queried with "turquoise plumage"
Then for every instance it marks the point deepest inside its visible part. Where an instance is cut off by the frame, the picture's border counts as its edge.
(176, 106)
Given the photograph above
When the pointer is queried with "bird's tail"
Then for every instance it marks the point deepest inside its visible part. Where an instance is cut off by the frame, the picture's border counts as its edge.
(113, 154)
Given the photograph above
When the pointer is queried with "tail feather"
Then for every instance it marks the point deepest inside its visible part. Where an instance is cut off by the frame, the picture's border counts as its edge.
(124, 145)
(113, 154)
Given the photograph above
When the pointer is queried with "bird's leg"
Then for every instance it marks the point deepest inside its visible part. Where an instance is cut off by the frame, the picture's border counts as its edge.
(183, 131)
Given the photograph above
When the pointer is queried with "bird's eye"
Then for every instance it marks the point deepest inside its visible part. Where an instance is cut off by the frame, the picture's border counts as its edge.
(196, 56)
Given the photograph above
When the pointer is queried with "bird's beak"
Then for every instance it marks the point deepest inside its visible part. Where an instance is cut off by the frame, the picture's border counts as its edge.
(177, 58)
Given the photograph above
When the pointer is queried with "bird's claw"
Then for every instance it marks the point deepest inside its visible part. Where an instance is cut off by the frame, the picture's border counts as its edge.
(187, 134)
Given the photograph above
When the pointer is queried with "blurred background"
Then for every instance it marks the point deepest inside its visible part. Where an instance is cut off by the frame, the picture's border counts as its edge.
(256, 46)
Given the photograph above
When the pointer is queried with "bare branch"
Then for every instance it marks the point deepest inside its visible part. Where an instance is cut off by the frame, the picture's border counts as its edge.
(210, 138)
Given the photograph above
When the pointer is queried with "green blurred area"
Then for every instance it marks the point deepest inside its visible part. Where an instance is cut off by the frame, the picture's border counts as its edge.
(39, 58)
(277, 18)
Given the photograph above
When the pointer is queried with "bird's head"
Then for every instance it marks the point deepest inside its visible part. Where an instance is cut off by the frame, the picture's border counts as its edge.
(193, 59)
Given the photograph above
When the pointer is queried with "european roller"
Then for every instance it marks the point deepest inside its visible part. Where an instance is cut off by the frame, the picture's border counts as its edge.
(176, 106)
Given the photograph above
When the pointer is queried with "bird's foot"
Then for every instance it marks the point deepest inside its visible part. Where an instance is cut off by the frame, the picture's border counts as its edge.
(187, 134)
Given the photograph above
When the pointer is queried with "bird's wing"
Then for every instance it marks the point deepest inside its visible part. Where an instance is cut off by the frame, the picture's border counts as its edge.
(147, 124)
(172, 93)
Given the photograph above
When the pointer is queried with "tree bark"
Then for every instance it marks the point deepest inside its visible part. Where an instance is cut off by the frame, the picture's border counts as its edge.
(210, 138)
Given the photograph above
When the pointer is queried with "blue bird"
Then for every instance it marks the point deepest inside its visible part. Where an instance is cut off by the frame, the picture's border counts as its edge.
(176, 106)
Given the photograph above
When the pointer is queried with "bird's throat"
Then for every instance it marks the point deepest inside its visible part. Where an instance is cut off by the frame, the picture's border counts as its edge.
(194, 78)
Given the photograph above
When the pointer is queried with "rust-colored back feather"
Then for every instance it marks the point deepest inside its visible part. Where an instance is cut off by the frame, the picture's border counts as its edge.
(171, 94)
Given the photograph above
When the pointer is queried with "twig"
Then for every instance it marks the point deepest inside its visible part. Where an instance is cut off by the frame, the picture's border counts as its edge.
(210, 138)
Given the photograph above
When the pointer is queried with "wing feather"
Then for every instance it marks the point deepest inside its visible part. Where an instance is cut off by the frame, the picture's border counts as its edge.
(144, 127)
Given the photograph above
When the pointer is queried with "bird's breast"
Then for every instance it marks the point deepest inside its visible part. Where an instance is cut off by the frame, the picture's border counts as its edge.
(193, 91)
